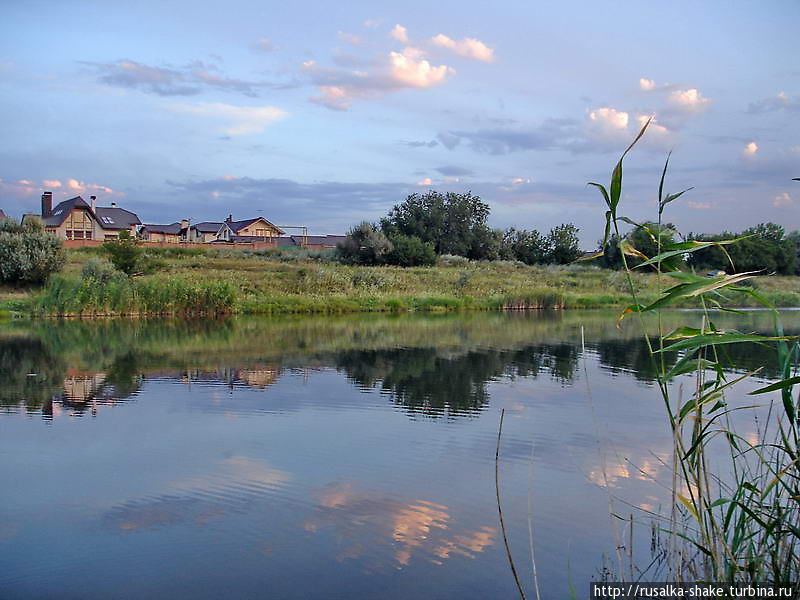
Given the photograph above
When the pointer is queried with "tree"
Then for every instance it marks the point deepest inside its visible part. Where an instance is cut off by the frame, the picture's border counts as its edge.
(765, 247)
(530, 247)
(125, 253)
(410, 251)
(454, 223)
(27, 253)
(563, 244)
(364, 245)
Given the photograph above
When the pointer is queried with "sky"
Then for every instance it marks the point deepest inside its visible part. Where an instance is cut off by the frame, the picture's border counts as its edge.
(324, 114)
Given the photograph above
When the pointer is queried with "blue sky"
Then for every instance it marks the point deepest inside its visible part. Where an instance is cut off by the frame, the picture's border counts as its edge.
(324, 114)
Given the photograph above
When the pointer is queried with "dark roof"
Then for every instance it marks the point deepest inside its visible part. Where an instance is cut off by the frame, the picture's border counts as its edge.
(111, 217)
(62, 209)
(108, 217)
(2, 214)
(237, 226)
(207, 227)
(284, 240)
(174, 228)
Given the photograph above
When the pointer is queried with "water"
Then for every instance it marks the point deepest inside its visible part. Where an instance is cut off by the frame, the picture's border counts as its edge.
(346, 457)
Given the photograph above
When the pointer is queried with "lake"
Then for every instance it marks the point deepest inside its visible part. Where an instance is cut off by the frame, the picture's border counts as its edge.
(330, 457)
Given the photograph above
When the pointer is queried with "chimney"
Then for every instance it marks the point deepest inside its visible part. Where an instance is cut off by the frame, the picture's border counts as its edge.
(113, 205)
(229, 219)
(47, 204)
(184, 223)
(93, 202)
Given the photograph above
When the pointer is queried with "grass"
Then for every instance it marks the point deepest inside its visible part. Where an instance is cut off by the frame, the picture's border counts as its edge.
(197, 280)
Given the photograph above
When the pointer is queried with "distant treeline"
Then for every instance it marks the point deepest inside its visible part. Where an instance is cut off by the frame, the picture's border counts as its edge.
(433, 224)
(765, 247)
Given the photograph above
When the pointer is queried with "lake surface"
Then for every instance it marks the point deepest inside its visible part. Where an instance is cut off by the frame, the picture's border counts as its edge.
(328, 457)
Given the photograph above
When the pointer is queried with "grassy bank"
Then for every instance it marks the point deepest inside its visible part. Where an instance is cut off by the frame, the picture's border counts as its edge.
(212, 282)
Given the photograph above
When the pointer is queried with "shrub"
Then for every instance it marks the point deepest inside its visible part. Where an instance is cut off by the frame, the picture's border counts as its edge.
(125, 253)
(27, 253)
(364, 245)
(99, 270)
(452, 260)
(410, 251)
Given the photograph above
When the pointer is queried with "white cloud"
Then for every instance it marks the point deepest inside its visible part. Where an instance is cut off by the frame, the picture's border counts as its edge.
(699, 205)
(783, 200)
(654, 128)
(411, 70)
(372, 23)
(426, 181)
(399, 33)
(781, 101)
(690, 100)
(647, 85)
(610, 118)
(466, 47)
(243, 119)
(750, 149)
(51, 183)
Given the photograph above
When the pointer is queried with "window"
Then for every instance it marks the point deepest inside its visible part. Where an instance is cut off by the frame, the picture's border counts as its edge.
(77, 234)
(69, 234)
(88, 235)
(107, 220)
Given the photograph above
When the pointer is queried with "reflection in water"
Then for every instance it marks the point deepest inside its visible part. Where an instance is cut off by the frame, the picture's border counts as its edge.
(251, 453)
(419, 527)
(429, 365)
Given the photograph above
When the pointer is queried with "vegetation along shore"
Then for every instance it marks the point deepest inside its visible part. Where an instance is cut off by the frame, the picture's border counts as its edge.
(433, 252)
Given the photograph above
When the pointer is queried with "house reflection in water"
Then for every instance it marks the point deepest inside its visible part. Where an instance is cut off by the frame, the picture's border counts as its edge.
(87, 390)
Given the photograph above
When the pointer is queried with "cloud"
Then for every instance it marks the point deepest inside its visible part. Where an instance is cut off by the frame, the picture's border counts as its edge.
(409, 69)
(454, 171)
(647, 85)
(610, 118)
(188, 80)
(467, 47)
(419, 144)
(750, 149)
(25, 188)
(699, 205)
(691, 100)
(243, 119)
(783, 200)
(781, 101)
(399, 33)
(372, 23)
(349, 38)
(264, 45)
(426, 181)
(552, 133)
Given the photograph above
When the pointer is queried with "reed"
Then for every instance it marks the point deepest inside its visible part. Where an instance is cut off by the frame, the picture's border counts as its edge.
(734, 522)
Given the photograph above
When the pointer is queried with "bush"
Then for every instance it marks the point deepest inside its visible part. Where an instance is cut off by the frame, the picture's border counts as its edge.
(451, 260)
(99, 270)
(410, 251)
(364, 245)
(126, 254)
(27, 253)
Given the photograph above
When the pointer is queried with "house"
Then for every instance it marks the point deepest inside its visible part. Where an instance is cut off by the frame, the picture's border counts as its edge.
(76, 219)
(248, 230)
(3, 215)
(205, 231)
(161, 233)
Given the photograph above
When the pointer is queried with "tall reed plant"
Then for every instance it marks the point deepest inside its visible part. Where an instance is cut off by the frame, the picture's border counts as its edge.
(739, 522)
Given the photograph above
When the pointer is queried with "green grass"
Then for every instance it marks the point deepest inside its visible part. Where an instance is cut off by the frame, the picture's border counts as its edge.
(214, 281)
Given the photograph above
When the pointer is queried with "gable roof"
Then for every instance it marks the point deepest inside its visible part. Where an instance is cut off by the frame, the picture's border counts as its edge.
(173, 228)
(207, 227)
(237, 226)
(108, 217)
(111, 217)
(2, 214)
(62, 209)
